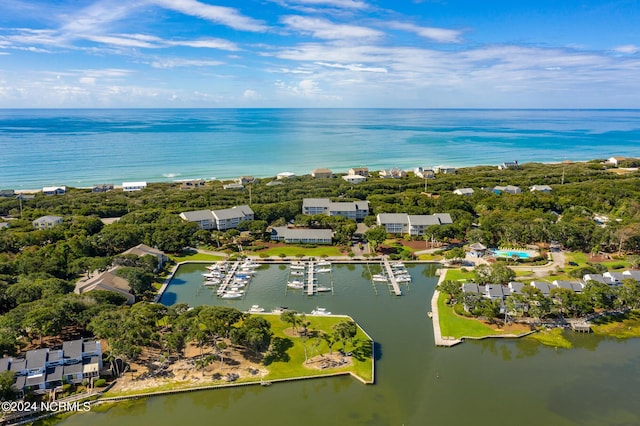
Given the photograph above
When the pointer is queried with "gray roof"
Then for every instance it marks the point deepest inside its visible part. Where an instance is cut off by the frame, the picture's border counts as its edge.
(616, 276)
(464, 191)
(4, 364)
(444, 218)
(18, 365)
(423, 219)
(54, 373)
(36, 358)
(198, 215)
(274, 182)
(342, 206)
(237, 211)
(72, 369)
(516, 287)
(632, 274)
(494, 291)
(35, 380)
(385, 218)
(72, 349)
(48, 219)
(303, 233)
(594, 277)
(470, 288)
(540, 188)
(542, 286)
(90, 346)
(316, 202)
(54, 356)
(563, 284)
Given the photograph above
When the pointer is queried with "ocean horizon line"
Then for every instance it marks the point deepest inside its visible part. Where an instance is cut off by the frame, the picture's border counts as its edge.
(318, 108)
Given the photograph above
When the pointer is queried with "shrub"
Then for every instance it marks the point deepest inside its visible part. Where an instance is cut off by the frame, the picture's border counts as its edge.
(99, 383)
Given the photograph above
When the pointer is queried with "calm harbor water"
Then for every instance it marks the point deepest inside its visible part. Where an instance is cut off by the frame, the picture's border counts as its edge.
(489, 382)
(85, 147)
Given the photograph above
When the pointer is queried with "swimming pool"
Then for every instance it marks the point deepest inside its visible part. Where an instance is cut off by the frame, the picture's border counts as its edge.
(511, 253)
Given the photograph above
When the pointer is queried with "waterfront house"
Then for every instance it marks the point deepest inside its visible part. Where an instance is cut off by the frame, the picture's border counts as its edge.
(301, 235)
(107, 281)
(356, 210)
(634, 275)
(285, 175)
(515, 287)
(402, 223)
(204, 218)
(595, 277)
(274, 183)
(192, 184)
(615, 278)
(245, 180)
(540, 188)
(102, 187)
(54, 190)
(7, 193)
(464, 191)
(508, 165)
(234, 185)
(444, 169)
(424, 172)
(47, 222)
(394, 173)
(495, 292)
(615, 161)
(322, 173)
(48, 368)
(133, 186)
(471, 288)
(355, 179)
(359, 171)
(142, 250)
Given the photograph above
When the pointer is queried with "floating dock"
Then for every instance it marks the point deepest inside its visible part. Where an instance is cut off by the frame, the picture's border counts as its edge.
(392, 277)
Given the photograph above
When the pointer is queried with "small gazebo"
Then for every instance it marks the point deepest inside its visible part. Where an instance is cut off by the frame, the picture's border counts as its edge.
(477, 249)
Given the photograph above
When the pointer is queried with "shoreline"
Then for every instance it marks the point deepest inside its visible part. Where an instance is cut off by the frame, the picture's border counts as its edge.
(337, 174)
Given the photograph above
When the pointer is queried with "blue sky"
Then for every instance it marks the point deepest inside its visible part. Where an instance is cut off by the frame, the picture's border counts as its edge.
(320, 53)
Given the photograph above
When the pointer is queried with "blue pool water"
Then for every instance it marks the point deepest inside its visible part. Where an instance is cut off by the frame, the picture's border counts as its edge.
(511, 253)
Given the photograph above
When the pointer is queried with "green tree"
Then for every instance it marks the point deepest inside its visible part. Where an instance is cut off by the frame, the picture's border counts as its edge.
(376, 236)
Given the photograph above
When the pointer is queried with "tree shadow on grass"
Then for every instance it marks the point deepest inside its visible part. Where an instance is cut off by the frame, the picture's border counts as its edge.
(278, 350)
(363, 350)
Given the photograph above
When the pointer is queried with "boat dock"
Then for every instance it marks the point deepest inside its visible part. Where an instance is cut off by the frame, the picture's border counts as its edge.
(310, 279)
(392, 277)
(228, 278)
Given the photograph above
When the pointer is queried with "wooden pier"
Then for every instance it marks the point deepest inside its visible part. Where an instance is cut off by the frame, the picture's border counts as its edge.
(310, 275)
(392, 277)
(228, 278)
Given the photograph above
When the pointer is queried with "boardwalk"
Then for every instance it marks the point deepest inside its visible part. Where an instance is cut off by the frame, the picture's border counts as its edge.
(437, 334)
(310, 279)
(392, 278)
(227, 279)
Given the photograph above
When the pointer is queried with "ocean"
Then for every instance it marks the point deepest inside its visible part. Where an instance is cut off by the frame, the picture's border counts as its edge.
(83, 147)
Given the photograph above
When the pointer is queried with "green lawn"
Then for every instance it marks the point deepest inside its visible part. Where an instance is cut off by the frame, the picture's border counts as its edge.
(582, 259)
(553, 337)
(295, 366)
(455, 326)
(459, 275)
(622, 327)
(296, 251)
(194, 256)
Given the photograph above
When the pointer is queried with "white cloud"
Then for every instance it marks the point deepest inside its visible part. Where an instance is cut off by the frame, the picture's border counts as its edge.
(219, 14)
(251, 94)
(211, 43)
(323, 29)
(353, 67)
(182, 62)
(440, 35)
(627, 48)
(344, 4)
(121, 41)
(87, 80)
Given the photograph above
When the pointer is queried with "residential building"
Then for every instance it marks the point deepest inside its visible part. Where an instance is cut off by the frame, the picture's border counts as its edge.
(634, 274)
(464, 191)
(615, 278)
(424, 172)
(238, 186)
(508, 165)
(402, 223)
(615, 161)
(144, 250)
(301, 235)
(509, 189)
(444, 169)
(220, 220)
(575, 286)
(360, 171)
(231, 218)
(47, 222)
(107, 281)
(356, 210)
(285, 175)
(133, 186)
(7, 193)
(204, 218)
(274, 183)
(540, 188)
(394, 173)
(322, 173)
(102, 187)
(542, 286)
(54, 190)
(355, 179)
(192, 184)
(43, 369)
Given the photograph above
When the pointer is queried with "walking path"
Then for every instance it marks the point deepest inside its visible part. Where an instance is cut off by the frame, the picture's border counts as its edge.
(437, 334)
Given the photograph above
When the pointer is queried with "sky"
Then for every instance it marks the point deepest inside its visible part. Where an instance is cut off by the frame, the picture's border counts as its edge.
(319, 54)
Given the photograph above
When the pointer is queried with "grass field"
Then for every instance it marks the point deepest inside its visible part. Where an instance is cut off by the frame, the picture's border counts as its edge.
(622, 326)
(298, 251)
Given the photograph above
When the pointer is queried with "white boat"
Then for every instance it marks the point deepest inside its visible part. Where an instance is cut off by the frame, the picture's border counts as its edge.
(320, 311)
(212, 275)
(298, 266)
(297, 272)
(323, 289)
(321, 270)
(249, 264)
(397, 265)
(403, 278)
(295, 284)
(323, 263)
(210, 283)
(380, 278)
(231, 295)
(256, 309)
(279, 310)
